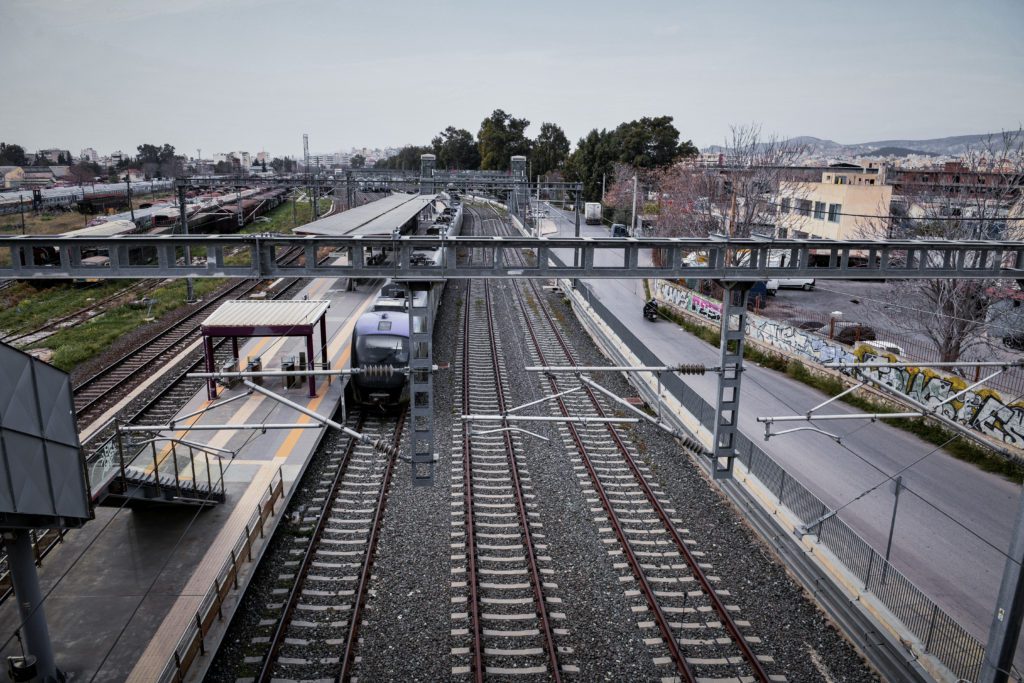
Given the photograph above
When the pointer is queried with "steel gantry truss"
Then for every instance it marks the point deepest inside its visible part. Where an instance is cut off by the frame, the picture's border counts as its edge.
(728, 260)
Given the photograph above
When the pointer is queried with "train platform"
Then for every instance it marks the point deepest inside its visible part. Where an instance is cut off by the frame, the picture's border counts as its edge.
(122, 591)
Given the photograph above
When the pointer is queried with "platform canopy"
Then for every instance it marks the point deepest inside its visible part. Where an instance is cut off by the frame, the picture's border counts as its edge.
(378, 218)
(261, 318)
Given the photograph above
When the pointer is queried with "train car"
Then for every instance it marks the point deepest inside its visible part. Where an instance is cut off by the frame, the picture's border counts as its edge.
(381, 338)
(375, 340)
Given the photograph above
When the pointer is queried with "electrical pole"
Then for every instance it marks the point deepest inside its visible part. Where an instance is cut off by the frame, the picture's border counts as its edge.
(1009, 610)
(21, 207)
(128, 182)
(602, 187)
(190, 295)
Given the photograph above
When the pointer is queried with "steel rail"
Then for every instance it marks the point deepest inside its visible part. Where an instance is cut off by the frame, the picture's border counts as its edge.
(277, 638)
(678, 658)
(189, 321)
(477, 666)
(517, 487)
(23, 332)
(183, 328)
(669, 637)
(691, 561)
(281, 628)
(359, 599)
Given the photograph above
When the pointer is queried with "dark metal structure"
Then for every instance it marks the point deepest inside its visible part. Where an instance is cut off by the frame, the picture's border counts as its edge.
(728, 259)
(43, 485)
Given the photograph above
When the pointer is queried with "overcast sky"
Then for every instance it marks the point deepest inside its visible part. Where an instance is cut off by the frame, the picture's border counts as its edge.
(223, 75)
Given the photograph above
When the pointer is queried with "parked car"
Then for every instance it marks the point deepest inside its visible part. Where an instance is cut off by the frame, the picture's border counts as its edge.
(619, 230)
(804, 283)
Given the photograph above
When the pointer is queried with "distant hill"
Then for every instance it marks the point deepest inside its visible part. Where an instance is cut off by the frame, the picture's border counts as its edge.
(901, 152)
(951, 146)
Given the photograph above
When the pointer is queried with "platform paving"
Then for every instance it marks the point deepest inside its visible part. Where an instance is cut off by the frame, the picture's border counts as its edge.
(121, 590)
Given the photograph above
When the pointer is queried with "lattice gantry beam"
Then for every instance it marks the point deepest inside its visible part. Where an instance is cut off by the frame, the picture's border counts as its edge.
(258, 256)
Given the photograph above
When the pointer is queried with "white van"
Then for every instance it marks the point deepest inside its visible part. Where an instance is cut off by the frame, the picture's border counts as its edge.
(804, 283)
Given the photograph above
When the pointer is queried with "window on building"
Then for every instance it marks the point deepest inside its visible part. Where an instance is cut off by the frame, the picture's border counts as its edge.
(819, 211)
(803, 207)
(840, 180)
(784, 232)
(784, 208)
(834, 211)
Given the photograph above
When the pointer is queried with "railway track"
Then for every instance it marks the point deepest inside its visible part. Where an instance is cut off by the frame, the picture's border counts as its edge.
(96, 393)
(510, 626)
(675, 597)
(28, 334)
(169, 397)
(687, 622)
(316, 632)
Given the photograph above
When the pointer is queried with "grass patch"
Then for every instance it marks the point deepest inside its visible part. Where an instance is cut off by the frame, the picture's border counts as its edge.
(286, 217)
(923, 428)
(76, 344)
(25, 306)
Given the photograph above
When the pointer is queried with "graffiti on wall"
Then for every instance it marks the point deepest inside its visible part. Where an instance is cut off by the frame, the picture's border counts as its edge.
(981, 409)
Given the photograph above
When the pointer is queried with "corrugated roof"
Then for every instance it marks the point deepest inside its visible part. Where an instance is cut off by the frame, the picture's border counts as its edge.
(108, 229)
(256, 312)
(376, 218)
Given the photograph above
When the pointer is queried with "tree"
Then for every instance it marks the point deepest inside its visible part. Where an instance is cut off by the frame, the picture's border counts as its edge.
(456, 149)
(550, 149)
(223, 167)
(84, 172)
(738, 199)
(408, 158)
(148, 153)
(650, 143)
(500, 138)
(975, 198)
(358, 161)
(284, 165)
(12, 155)
(592, 160)
(263, 165)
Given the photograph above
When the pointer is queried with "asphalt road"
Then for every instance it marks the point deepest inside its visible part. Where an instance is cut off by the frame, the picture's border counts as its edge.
(954, 521)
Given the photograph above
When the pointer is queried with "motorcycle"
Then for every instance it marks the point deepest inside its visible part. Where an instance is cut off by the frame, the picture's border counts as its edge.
(651, 310)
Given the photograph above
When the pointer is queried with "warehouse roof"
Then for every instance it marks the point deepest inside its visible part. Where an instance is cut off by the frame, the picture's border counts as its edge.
(265, 317)
(377, 218)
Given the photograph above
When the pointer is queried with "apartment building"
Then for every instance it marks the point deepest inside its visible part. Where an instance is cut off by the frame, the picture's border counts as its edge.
(849, 202)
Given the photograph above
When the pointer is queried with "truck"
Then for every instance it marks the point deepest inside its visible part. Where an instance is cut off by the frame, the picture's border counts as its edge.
(592, 213)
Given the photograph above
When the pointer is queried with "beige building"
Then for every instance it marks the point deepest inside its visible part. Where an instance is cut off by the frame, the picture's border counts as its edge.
(11, 177)
(844, 205)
